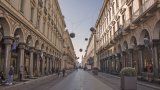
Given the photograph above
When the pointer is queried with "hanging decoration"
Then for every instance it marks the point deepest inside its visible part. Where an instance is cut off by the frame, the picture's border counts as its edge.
(86, 39)
(85, 50)
(80, 50)
(72, 35)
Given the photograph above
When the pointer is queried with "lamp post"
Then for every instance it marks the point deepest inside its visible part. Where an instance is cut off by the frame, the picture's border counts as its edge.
(93, 30)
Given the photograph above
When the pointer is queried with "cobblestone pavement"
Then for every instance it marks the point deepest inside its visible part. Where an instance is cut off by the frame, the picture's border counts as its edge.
(114, 82)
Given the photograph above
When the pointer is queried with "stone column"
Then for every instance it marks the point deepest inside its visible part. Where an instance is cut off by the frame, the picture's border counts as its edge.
(21, 47)
(6, 66)
(31, 63)
(119, 62)
(131, 57)
(50, 64)
(140, 48)
(47, 65)
(38, 62)
(123, 59)
(54, 64)
(155, 55)
(105, 65)
(114, 58)
(60, 65)
(43, 63)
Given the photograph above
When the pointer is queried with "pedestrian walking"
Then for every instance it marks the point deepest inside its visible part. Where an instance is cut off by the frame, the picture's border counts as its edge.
(58, 72)
(10, 76)
(2, 79)
(63, 71)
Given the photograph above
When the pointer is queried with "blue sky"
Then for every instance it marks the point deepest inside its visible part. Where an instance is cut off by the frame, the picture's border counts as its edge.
(80, 15)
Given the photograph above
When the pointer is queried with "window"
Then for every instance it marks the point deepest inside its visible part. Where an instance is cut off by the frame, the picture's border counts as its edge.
(38, 22)
(117, 24)
(113, 30)
(113, 9)
(130, 12)
(123, 19)
(44, 27)
(117, 3)
(22, 6)
(32, 14)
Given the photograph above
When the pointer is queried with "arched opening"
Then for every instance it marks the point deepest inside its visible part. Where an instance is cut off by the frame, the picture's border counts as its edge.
(4, 31)
(15, 50)
(38, 58)
(119, 57)
(147, 62)
(126, 61)
(46, 62)
(27, 59)
(114, 62)
(135, 59)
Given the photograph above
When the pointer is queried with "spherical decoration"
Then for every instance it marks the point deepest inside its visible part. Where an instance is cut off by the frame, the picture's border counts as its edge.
(92, 29)
(86, 39)
(72, 35)
(80, 50)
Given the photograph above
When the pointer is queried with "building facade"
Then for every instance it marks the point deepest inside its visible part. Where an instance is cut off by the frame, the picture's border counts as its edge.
(31, 37)
(88, 58)
(128, 35)
(69, 56)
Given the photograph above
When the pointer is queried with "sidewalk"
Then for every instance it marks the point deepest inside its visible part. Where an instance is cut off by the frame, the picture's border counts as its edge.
(140, 84)
(26, 81)
(16, 85)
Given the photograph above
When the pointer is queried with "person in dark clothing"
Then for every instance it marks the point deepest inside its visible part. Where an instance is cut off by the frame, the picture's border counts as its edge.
(10, 76)
(58, 72)
(63, 71)
(2, 79)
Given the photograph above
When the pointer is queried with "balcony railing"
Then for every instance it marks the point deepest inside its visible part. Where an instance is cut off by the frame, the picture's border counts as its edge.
(118, 33)
(146, 5)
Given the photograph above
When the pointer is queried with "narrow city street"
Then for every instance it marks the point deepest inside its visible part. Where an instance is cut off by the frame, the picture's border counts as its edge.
(77, 80)
(81, 80)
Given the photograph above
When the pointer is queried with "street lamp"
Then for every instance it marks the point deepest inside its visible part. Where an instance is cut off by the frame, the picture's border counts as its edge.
(93, 30)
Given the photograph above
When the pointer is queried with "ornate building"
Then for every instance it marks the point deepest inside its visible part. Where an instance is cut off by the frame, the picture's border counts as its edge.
(69, 56)
(88, 58)
(128, 34)
(31, 34)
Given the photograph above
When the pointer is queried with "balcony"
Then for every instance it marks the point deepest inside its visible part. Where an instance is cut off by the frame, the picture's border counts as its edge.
(118, 34)
(126, 25)
(147, 6)
(112, 41)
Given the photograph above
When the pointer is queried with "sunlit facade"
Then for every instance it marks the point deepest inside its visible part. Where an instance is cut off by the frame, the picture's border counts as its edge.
(88, 58)
(32, 37)
(69, 56)
(128, 35)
